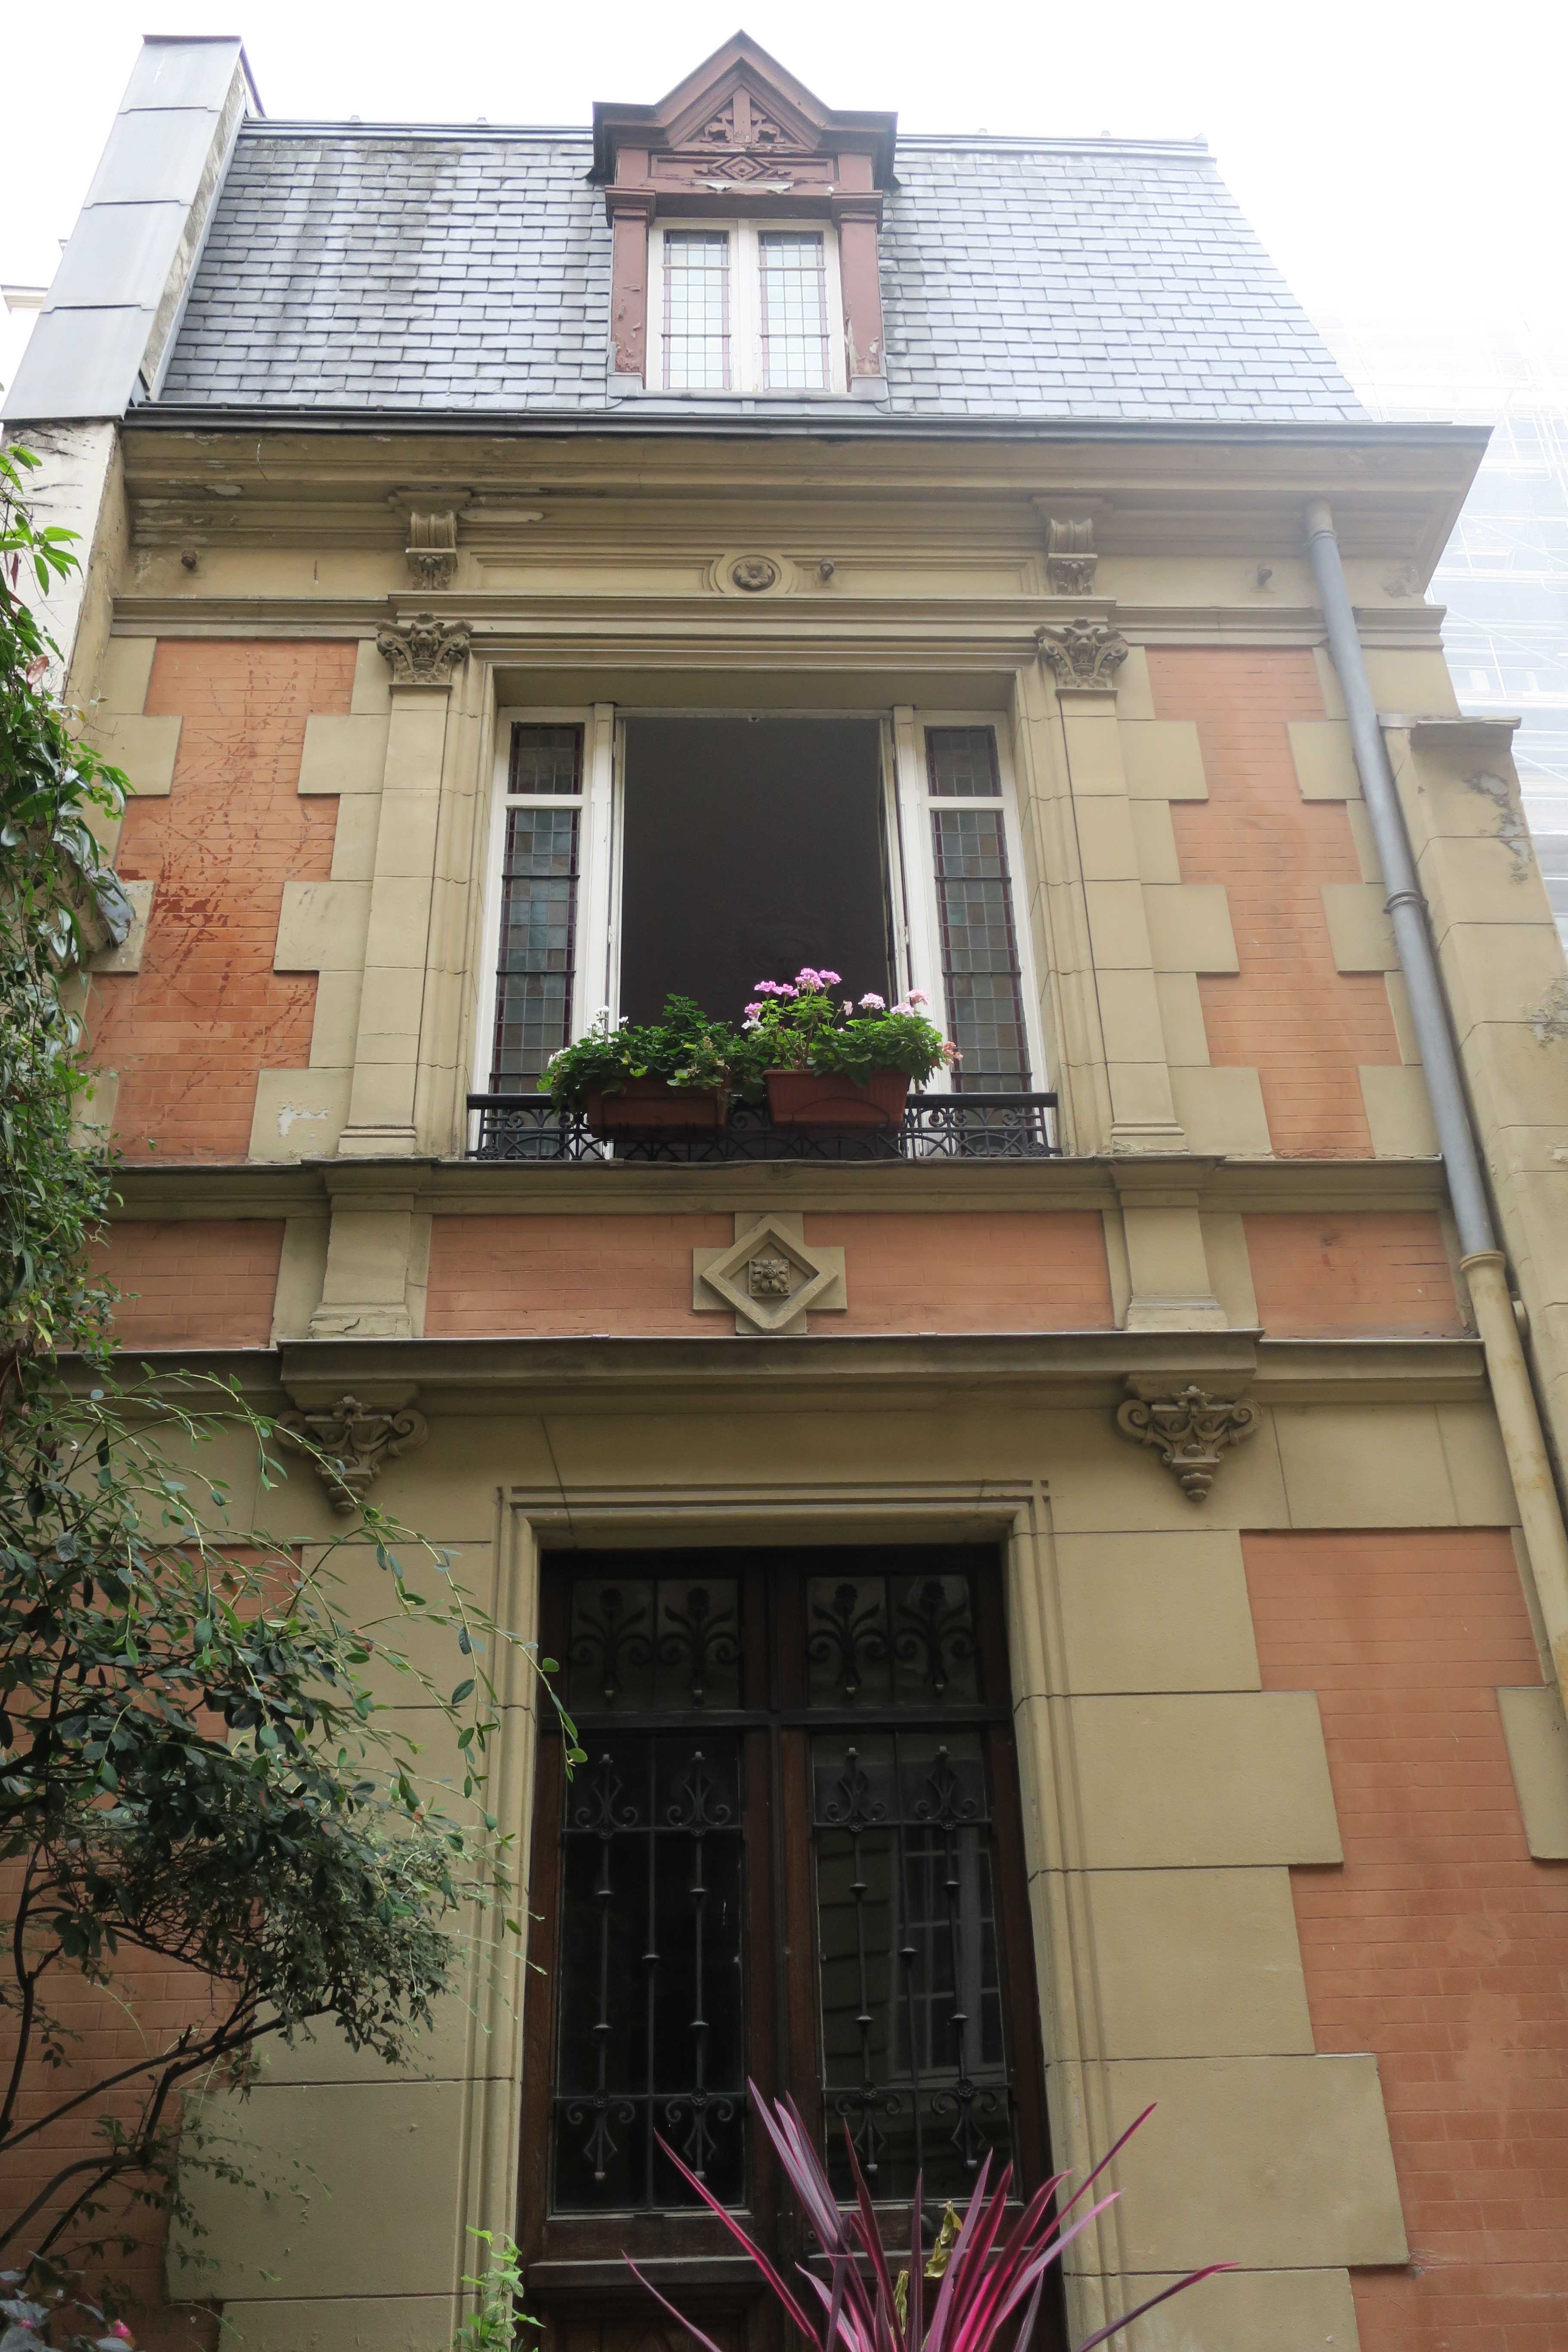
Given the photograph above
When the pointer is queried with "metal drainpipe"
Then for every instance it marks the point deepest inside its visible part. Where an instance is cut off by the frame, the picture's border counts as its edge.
(1483, 1262)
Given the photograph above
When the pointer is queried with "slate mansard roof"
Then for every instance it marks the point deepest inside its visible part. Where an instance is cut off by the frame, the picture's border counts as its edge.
(467, 270)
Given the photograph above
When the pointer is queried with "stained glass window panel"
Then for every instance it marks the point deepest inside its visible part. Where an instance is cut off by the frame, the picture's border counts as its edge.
(794, 285)
(697, 310)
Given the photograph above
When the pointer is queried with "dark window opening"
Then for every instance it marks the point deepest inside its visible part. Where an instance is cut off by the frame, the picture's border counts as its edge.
(794, 1853)
(751, 846)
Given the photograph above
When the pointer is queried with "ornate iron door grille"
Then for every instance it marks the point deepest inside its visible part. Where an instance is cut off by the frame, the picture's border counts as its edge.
(794, 1853)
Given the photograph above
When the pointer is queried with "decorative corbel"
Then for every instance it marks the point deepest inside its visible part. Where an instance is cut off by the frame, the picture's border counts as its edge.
(1070, 558)
(425, 651)
(1084, 654)
(1190, 1430)
(350, 1444)
(433, 549)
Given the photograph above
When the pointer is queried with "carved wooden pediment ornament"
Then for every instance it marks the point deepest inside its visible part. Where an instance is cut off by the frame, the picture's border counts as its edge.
(350, 1444)
(1190, 1430)
(738, 118)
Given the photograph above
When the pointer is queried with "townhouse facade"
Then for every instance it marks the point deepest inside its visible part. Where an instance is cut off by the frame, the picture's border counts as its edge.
(1066, 1595)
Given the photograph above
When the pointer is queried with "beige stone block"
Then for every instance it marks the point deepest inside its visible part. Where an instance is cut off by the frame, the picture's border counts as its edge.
(1221, 1109)
(321, 927)
(1094, 749)
(1505, 973)
(1325, 764)
(1230, 1267)
(334, 1024)
(1141, 1095)
(1347, 1468)
(1478, 1466)
(343, 755)
(1398, 1112)
(367, 1262)
(1167, 1268)
(1155, 838)
(1181, 1018)
(124, 675)
(382, 1094)
(1117, 925)
(1108, 851)
(1360, 932)
(127, 956)
(1411, 682)
(1198, 1964)
(145, 748)
(301, 1273)
(353, 842)
(1366, 855)
(406, 838)
(370, 695)
(399, 923)
(1218, 1781)
(1156, 1612)
(1134, 695)
(1404, 1026)
(384, 2322)
(366, 2180)
(1537, 1736)
(1249, 2310)
(1468, 881)
(391, 1004)
(1163, 760)
(1130, 1016)
(1277, 2161)
(1189, 927)
(1522, 1082)
(299, 1114)
(92, 1113)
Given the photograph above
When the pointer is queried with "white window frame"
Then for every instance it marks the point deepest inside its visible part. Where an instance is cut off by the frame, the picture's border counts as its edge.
(746, 308)
(923, 933)
(594, 957)
(911, 867)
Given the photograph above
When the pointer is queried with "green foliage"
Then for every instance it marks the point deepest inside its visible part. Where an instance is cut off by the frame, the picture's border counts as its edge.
(685, 1048)
(801, 1025)
(492, 2326)
(51, 875)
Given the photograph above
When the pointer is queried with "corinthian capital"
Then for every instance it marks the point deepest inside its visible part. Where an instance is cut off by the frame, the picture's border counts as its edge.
(424, 651)
(1084, 654)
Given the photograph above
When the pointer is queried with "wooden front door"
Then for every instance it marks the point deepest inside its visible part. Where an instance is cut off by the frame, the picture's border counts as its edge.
(793, 1855)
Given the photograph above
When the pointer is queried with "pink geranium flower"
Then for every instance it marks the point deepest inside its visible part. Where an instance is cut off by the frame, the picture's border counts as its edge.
(870, 1003)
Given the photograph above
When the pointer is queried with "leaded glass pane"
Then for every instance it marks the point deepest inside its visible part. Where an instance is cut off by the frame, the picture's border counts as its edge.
(697, 309)
(545, 759)
(794, 311)
(981, 974)
(961, 764)
(538, 928)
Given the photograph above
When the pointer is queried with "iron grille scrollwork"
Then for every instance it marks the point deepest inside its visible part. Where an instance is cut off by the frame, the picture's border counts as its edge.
(898, 1640)
(934, 1127)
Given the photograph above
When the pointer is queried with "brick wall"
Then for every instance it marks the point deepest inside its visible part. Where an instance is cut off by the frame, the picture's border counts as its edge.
(631, 1276)
(190, 1031)
(1289, 1013)
(198, 1282)
(1329, 1274)
(1440, 1946)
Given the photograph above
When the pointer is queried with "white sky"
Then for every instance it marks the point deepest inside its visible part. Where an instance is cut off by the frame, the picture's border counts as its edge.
(1400, 158)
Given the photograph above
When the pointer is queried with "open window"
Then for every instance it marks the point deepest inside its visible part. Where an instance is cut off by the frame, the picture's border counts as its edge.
(639, 855)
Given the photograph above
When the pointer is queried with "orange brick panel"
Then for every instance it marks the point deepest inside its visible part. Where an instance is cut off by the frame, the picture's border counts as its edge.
(206, 1012)
(631, 1276)
(197, 1282)
(1329, 1276)
(1440, 1945)
(1289, 1013)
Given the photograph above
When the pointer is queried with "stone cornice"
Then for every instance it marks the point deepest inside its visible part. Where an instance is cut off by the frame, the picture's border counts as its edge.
(493, 1188)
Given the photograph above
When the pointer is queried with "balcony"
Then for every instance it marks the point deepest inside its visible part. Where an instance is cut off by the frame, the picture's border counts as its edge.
(934, 1127)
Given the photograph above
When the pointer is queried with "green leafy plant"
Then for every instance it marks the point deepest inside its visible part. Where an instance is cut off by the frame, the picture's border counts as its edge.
(498, 2315)
(801, 1025)
(684, 1048)
(991, 2286)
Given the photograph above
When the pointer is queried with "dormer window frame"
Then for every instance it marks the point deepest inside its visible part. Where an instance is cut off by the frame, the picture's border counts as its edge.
(746, 328)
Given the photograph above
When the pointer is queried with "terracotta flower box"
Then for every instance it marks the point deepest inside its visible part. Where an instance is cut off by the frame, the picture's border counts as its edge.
(817, 1098)
(653, 1107)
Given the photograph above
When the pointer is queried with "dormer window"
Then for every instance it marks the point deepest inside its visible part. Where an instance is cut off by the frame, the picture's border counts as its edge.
(745, 307)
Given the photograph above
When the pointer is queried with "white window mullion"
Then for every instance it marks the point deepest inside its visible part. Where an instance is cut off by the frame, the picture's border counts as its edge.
(591, 979)
(924, 950)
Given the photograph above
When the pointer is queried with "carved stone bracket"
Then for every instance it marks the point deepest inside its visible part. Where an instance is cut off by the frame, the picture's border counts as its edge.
(1190, 1430)
(356, 1440)
(433, 549)
(1084, 654)
(425, 651)
(1070, 558)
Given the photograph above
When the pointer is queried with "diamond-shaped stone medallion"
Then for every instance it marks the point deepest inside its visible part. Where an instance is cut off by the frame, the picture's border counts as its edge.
(770, 1276)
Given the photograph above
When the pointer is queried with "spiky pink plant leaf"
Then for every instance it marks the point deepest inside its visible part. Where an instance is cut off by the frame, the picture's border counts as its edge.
(1164, 2297)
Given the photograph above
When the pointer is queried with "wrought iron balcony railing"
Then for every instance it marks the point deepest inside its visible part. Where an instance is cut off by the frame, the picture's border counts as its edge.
(934, 1127)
